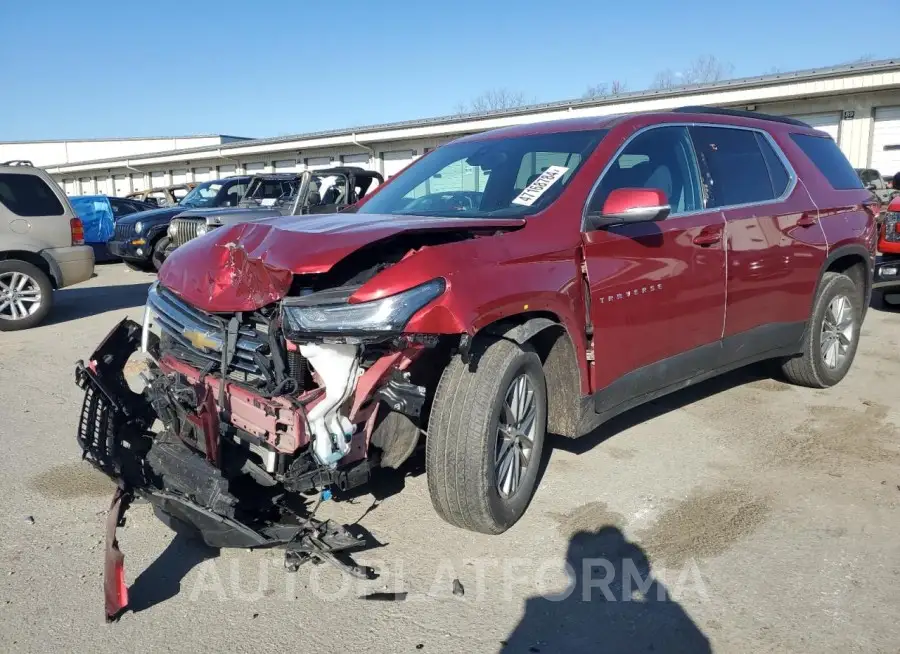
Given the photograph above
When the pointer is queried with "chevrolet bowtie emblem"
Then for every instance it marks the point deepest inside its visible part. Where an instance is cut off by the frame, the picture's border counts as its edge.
(200, 340)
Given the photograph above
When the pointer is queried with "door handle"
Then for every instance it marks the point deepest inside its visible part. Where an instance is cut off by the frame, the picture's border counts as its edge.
(708, 237)
(807, 219)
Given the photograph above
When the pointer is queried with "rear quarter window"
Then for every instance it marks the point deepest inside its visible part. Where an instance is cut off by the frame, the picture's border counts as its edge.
(829, 159)
(28, 196)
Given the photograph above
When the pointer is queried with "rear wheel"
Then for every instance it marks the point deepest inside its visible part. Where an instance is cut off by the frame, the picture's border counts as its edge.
(485, 438)
(26, 295)
(832, 335)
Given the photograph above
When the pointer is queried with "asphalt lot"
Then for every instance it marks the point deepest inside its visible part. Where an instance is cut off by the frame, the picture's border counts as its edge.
(742, 515)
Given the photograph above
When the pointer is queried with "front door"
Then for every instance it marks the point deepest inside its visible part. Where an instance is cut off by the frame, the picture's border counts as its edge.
(657, 289)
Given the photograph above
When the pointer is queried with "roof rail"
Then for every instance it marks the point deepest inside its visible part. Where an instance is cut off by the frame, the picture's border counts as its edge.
(17, 162)
(740, 113)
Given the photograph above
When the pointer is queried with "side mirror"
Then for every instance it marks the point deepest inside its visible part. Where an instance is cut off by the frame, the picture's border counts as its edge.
(894, 205)
(631, 205)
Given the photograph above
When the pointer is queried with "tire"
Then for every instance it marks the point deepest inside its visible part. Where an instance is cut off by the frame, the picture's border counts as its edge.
(816, 368)
(463, 438)
(891, 300)
(158, 253)
(31, 282)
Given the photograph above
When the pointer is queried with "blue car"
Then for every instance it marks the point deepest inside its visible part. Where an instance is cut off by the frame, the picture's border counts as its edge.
(99, 214)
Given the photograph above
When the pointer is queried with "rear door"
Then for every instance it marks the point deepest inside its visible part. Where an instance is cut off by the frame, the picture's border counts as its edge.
(657, 289)
(775, 246)
(33, 209)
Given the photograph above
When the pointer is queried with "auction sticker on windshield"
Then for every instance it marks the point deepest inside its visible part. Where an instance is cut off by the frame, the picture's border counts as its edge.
(539, 186)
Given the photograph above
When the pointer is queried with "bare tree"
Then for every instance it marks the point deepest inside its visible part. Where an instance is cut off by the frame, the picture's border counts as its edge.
(702, 70)
(603, 89)
(493, 100)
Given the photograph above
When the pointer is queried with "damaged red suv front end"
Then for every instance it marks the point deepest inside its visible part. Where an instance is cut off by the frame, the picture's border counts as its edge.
(272, 379)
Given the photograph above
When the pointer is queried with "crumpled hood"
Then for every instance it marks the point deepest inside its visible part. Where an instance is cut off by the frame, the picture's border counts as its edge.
(250, 265)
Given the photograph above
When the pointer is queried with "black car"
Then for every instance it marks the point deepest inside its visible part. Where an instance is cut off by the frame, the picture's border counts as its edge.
(140, 239)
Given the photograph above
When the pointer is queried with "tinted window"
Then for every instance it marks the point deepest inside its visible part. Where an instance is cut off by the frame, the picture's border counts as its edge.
(659, 158)
(778, 174)
(483, 178)
(121, 208)
(734, 169)
(28, 195)
(829, 159)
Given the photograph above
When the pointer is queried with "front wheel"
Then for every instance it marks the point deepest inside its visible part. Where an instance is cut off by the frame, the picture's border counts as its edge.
(158, 255)
(486, 436)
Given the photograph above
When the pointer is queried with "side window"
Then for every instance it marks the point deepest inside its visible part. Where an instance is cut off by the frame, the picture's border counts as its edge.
(778, 174)
(28, 195)
(659, 158)
(733, 166)
(120, 208)
(829, 159)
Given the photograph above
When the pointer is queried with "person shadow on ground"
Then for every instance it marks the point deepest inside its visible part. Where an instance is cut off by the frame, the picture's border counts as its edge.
(613, 603)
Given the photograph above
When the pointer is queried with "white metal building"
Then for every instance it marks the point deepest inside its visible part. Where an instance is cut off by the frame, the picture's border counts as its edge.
(857, 104)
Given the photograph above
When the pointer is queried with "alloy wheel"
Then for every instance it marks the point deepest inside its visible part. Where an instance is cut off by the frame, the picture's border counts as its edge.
(837, 332)
(515, 437)
(20, 296)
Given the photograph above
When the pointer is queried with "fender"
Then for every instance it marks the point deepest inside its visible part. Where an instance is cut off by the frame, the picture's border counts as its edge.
(521, 332)
(854, 249)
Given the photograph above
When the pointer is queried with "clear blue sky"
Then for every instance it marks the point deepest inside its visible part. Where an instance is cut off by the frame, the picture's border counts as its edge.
(158, 67)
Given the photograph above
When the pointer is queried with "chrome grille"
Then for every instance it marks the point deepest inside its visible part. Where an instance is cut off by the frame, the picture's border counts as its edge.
(186, 325)
(185, 229)
(124, 231)
(891, 218)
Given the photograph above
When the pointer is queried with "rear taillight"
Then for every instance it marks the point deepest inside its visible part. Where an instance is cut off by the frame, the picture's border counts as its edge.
(77, 231)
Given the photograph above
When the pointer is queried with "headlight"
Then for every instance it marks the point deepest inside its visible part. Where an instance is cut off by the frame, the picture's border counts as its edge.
(202, 229)
(138, 227)
(390, 314)
(173, 228)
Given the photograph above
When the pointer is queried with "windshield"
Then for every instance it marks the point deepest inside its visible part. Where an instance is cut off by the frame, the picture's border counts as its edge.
(479, 179)
(203, 195)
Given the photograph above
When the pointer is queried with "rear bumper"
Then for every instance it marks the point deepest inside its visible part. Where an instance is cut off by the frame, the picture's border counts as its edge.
(75, 264)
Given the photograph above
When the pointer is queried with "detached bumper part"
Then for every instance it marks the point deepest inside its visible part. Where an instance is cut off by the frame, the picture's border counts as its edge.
(187, 490)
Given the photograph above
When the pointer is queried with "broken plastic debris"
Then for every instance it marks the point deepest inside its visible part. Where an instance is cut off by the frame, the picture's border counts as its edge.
(458, 589)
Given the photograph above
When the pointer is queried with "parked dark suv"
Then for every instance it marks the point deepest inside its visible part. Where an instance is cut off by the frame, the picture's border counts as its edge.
(140, 239)
(536, 279)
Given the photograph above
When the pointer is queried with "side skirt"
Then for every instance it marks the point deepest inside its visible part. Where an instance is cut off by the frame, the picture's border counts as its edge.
(688, 368)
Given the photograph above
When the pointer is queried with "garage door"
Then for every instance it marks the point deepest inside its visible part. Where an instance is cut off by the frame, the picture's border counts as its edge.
(227, 171)
(179, 176)
(886, 141)
(202, 174)
(137, 182)
(158, 179)
(255, 167)
(286, 166)
(312, 163)
(87, 186)
(361, 160)
(70, 187)
(829, 123)
(120, 186)
(396, 161)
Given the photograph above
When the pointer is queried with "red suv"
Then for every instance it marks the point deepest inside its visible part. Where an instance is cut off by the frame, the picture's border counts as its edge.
(530, 280)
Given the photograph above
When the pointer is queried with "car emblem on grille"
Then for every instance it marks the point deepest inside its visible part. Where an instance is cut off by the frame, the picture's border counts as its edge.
(200, 340)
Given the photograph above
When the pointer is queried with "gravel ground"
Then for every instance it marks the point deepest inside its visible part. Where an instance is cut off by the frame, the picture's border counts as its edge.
(741, 515)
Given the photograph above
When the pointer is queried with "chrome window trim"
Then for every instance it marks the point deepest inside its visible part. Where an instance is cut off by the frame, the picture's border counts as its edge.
(792, 175)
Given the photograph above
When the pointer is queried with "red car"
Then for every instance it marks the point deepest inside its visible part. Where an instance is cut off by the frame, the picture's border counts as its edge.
(530, 280)
(887, 271)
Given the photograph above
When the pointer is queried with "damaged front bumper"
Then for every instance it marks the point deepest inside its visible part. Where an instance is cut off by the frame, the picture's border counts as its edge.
(181, 477)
